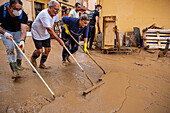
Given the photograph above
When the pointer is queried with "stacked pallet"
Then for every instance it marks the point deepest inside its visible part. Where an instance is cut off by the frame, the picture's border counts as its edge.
(156, 38)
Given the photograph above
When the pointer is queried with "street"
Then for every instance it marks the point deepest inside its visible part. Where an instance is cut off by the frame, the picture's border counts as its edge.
(134, 83)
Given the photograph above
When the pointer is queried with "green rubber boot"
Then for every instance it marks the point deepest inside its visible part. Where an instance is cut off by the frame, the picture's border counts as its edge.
(14, 68)
(20, 68)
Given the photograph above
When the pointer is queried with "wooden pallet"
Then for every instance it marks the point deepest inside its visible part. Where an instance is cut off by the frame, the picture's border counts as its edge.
(108, 40)
(156, 38)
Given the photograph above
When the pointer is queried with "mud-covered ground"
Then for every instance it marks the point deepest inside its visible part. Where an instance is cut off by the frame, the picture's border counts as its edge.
(134, 83)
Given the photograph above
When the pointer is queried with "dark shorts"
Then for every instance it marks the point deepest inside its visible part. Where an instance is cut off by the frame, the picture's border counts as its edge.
(42, 43)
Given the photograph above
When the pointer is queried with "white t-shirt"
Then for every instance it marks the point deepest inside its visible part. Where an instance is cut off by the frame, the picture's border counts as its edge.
(74, 13)
(42, 21)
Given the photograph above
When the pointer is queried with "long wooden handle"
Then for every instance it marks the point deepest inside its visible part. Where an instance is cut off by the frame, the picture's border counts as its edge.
(117, 37)
(88, 54)
(79, 65)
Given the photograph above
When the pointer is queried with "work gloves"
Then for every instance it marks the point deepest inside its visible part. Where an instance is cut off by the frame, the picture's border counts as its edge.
(8, 35)
(66, 29)
(21, 45)
(85, 48)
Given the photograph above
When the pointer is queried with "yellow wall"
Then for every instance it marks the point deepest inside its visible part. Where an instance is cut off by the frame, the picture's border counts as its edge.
(136, 13)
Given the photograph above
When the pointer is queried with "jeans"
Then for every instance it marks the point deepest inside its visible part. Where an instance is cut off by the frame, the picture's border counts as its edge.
(69, 41)
(91, 35)
(10, 48)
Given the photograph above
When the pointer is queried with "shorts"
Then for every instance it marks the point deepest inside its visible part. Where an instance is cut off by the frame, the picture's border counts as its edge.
(42, 43)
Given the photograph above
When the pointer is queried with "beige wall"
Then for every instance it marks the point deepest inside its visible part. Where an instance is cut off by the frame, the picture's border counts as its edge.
(91, 4)
(27, 6)
(137, 13)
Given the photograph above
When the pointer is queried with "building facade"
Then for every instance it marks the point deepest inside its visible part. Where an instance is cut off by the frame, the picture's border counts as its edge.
(32, 7)
(136, 13)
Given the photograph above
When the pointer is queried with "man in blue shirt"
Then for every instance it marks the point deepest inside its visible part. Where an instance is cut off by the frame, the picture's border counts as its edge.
(75, 27)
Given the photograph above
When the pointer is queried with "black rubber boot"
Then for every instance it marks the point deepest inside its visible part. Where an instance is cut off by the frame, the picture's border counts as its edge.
(43, 59)
(33, 59)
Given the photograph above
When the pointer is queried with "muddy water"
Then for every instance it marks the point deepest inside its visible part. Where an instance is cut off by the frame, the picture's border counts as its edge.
(136, 83)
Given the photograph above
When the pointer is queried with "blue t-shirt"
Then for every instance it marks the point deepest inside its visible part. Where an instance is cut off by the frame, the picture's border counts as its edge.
(73, 26)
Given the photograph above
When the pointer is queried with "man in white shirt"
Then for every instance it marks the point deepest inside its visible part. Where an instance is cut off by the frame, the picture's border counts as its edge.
(75, 12)
(41, 30)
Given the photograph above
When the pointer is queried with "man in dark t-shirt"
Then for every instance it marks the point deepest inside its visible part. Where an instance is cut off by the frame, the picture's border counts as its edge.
(94, 19)
(13, 23)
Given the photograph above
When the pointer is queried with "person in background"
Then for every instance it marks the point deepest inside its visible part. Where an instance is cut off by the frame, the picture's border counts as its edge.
(94, 19)
(66, 12)
(75, 12)
(42, 28)
(75, 27)
(39, 10)
(13, 21)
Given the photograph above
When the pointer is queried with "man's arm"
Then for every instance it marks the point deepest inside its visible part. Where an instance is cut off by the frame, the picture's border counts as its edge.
(52, 33)
(1, 30)
(6, 35)
(23, 31)
(97, 22)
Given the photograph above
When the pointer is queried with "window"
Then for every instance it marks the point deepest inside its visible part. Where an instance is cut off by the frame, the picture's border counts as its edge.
(38, 7)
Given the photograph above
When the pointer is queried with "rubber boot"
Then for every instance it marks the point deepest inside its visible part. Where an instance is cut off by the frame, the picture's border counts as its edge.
(42, 66)
(43, 59)
(14, 68)
(20, 68)
(33, 59)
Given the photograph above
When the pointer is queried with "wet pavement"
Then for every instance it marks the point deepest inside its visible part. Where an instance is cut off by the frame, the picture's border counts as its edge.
(137, 82)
